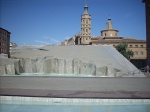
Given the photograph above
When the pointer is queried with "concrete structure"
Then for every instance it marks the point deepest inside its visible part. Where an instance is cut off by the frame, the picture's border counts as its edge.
(109, 36)
(4, 41)
(78, 60)
(147, 9)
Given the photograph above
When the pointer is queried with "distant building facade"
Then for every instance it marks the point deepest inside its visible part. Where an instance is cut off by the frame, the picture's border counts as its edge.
(12, 45)
(4, 41)
(108, 37)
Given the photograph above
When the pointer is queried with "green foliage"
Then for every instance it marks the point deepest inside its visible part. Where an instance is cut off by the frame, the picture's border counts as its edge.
(122, 48)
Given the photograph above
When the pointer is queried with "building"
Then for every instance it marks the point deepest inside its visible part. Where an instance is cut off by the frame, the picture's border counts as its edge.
(109, 36)
(4, 41)
(147, 12)
(85, 26)
(12, 45)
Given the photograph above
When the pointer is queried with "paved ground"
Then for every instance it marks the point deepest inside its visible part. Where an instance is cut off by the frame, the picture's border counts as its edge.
(147, 74)
(75, 87)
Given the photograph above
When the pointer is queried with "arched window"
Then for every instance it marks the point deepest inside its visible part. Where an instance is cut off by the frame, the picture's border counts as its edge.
(86, 21)
(86, 30)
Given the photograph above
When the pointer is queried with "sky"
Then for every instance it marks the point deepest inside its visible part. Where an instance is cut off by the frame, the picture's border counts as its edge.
(42, 22)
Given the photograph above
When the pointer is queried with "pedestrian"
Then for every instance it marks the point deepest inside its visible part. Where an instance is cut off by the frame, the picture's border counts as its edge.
(147, 69)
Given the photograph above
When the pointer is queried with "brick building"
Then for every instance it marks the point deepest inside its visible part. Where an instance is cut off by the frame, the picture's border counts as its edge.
(4, 41)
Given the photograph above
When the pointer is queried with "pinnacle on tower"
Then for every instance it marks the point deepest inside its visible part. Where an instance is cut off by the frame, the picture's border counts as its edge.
(109, 19)
(109, 23)
(86, 9)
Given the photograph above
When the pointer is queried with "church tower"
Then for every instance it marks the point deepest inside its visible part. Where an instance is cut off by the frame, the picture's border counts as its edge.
(109, 32)
(85, 26)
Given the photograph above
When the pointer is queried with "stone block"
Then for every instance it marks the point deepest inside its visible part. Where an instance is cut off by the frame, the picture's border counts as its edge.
(113, 72)
(40, 66)
(88, 69)
(61, 66)
(2, 70)
(28, 65)
(69, 66)
(10, 69)
(16, 66)
(77, 66)
(101, 71)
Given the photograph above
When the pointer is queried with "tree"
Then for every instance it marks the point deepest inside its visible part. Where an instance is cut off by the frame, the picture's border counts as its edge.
(122, 48)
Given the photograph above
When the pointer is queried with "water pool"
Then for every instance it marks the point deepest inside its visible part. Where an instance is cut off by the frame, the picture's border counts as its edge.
(37, 104)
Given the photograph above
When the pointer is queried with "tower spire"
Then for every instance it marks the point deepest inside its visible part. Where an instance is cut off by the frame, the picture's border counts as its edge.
(86, 8)
(109, 23)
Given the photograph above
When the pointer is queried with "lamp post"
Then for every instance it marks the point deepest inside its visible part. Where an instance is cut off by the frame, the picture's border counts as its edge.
(147, 13)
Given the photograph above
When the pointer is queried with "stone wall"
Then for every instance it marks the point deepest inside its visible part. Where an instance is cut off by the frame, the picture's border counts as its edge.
(48, 65)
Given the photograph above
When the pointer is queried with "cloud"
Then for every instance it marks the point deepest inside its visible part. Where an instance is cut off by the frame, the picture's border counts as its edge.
(66, 38)
(54, 40)
(42, 42)
(127, 15)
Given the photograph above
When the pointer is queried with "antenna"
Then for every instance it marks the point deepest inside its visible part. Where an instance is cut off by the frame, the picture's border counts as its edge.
(85, 2)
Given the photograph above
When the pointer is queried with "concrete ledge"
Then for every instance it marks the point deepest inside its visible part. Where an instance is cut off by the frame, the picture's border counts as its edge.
(69, 101)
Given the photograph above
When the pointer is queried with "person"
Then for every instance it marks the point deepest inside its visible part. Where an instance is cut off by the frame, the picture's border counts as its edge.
(147, 68)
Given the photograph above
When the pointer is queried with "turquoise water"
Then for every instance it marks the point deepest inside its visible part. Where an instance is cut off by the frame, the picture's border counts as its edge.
(43, 104)
(74, 108)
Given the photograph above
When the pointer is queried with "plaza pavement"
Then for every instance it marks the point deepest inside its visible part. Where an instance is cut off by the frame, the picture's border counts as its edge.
(75, 87)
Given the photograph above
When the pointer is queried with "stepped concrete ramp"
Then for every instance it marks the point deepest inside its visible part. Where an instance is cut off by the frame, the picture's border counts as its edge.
(102, 60)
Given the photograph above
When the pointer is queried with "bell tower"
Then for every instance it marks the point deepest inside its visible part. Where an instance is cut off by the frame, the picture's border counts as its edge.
(85, 26)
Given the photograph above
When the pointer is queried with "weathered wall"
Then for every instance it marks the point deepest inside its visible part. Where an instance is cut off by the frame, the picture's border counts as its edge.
(49, 65)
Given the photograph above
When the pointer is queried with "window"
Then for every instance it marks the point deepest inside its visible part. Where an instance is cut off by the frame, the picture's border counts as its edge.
(136, 52)
(130, 45)
(141, 45)
(86, 21)
(136, 45)
(86, 30)
(142, 53)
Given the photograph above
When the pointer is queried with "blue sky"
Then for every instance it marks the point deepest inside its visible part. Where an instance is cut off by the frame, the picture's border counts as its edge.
(42, 22)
